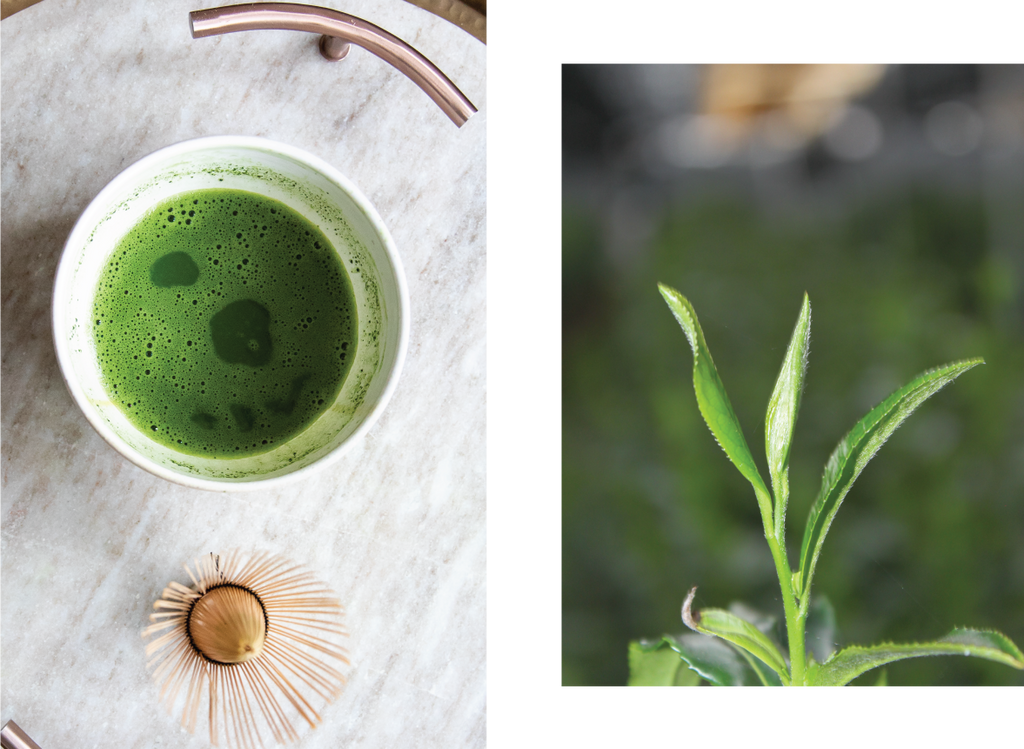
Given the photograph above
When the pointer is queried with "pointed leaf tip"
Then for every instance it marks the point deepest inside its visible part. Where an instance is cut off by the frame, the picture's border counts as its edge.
(685, 315)
(858, 447)
(713, 401)
(783, 407)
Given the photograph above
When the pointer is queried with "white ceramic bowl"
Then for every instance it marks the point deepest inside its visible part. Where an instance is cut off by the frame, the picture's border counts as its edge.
(301, 181)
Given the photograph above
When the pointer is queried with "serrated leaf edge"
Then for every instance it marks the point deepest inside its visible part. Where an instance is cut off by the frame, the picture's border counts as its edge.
(694, 666)
(743, 459)
(783, 407)
(839, 458)
(1017, 655)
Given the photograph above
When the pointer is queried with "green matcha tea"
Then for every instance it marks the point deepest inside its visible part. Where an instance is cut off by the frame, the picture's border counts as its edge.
(224, 323)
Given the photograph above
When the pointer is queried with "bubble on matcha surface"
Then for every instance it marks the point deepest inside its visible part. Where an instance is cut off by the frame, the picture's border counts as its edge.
(281, 320)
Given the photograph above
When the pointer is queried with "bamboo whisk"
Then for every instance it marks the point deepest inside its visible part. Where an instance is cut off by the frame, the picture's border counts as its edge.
(261, 639)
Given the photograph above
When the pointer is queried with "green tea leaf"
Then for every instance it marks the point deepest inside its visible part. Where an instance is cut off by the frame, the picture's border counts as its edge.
(737, 631)
(851, 662)
(711, 658)
(712, 400)
(857, 448)
(656, 664)
(782, 410)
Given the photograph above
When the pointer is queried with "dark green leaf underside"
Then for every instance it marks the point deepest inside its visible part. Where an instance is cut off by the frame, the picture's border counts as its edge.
(713, 659)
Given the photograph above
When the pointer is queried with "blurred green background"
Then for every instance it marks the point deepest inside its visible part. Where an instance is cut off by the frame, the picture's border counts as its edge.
(898, 205)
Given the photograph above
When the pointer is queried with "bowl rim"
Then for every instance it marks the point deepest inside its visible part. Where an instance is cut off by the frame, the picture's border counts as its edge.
(98, 207)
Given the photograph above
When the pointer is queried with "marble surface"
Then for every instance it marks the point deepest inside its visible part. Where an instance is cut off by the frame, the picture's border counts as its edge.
(396, 526)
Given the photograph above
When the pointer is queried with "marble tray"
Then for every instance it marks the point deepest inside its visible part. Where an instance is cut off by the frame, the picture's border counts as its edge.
(396, 526)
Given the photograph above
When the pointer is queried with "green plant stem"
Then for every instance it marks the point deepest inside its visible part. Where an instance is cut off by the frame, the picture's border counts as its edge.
(775, 534)
(794, 624)
(795, 616)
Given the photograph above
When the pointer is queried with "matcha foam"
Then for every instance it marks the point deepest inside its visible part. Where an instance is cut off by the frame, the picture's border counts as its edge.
(224, 323)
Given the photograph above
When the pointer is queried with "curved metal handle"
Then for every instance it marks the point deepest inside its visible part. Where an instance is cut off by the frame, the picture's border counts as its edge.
(12, 737)
(338, 29)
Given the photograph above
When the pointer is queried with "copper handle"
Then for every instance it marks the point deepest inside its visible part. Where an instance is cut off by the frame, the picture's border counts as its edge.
(338, 30)
(12, 737)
